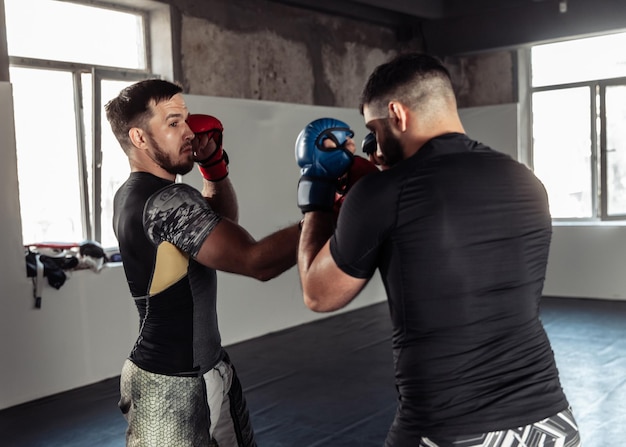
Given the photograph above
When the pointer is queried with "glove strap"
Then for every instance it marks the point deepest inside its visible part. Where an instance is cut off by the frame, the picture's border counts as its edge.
(316, 194)
(215, 168)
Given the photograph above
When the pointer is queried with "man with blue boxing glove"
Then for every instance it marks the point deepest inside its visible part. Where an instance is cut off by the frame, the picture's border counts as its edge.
(460, 234)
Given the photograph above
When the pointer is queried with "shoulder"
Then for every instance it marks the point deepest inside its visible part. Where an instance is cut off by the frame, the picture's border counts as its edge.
(174, 206)
(174, 196)
(376, 195)
(179, 214)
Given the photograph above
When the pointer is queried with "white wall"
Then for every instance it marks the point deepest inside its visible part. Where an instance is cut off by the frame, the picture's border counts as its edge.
(84, 331)
(586, 261)
(495, 126)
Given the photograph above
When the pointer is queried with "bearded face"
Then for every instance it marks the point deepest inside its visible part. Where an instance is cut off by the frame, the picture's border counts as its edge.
(389, 144)
(183, 163)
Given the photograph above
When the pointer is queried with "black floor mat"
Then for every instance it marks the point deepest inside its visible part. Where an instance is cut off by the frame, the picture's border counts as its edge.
(330, 383)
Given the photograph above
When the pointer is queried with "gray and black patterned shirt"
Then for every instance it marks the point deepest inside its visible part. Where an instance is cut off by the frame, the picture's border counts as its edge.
(160, 226)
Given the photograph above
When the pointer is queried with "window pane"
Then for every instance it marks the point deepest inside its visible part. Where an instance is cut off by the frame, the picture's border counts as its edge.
(115, 167)
(87, 93)
(562, 149)
(62, 31)
(616, 149)
(45, 130)
(579, 60)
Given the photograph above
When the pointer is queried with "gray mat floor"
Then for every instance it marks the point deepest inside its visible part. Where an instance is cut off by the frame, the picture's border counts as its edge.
(330, 383)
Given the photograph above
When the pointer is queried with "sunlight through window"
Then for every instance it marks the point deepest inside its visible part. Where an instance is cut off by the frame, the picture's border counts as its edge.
(578, 122)
(55, 48)
(77, 33)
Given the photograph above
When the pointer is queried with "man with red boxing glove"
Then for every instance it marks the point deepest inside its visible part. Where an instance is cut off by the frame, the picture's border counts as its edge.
(460, 234)
(178, 386)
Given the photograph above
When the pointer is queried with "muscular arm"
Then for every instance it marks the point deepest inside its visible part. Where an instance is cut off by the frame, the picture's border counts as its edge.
(178, 214)
(325, 286)
(230, 248)
(222, 198)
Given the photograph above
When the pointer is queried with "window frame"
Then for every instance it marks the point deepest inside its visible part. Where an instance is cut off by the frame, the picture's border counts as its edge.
(99, 75)
(598, 156)
(91, 194)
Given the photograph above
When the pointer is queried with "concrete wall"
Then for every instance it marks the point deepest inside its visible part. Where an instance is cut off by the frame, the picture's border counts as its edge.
(269, 51)
(484, 79)
(273, 52)
(260, 49)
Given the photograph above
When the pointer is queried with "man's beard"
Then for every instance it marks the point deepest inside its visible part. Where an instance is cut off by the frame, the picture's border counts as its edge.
(164, 161)
(393, 150)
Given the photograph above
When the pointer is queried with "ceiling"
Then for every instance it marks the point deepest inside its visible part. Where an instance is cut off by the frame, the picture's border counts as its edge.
(451, 27)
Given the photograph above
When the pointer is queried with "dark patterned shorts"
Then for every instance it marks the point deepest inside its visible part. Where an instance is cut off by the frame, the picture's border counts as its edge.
(559, 430)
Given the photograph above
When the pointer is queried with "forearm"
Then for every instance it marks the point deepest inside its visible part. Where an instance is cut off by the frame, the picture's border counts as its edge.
(317, 228)
(276, 253)
(324, 153)
(230, 248)
(222, 197)
(325, 287)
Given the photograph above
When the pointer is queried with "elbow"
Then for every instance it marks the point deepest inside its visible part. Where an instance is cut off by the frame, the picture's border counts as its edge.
(312, 304)
(264, 273)
(316, 305)
(264, 276)
(263, 270)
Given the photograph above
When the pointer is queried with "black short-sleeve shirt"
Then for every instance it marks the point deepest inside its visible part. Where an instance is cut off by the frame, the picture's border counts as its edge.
(460, 234)
(160, 226)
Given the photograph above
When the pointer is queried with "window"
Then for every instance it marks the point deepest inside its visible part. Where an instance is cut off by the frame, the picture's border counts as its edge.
(62, 72)
(579, 126)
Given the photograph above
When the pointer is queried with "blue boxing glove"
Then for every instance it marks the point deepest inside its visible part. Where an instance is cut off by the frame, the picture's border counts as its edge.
(321, 167)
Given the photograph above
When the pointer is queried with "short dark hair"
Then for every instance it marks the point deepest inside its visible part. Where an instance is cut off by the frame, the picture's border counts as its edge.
(131, 107)
(401, 77)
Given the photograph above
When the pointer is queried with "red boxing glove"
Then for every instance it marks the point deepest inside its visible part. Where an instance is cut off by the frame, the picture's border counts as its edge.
(215, 166)
(360, 168)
